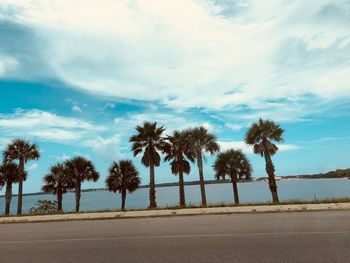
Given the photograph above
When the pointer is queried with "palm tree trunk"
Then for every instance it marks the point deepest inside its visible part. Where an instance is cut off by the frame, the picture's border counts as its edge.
(20, 187)
(152, 190)
(182, 189)
(123, 199)
(270, 169)
(235, 190)
(201, 178)
(8, 197)
(59, 200)
(77, 197)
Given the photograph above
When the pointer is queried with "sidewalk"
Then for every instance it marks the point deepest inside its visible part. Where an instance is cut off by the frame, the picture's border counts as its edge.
(176, 212)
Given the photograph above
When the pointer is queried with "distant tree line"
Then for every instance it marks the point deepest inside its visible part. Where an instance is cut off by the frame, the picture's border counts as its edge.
(339, 173)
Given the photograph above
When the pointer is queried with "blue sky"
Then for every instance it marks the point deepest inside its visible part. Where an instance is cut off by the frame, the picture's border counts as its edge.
(77, 77)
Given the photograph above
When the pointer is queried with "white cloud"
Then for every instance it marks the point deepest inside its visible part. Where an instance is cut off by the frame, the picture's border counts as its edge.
(53, 134)
(327, 139)
(60, 158)
(108, 105)
(264, 50)
(170, 121)
(233, 126)
(38, 118)
(33, 167)
(7, 64)
(46, 126)
(76, 108)
(108, 149)
(3, 142)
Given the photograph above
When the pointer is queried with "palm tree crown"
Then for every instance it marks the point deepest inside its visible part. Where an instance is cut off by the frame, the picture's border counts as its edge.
(203, 140)
(9, 173)
(123, 176)
(80, 169)
(261, 134)
(178, 149)
(20, 149)
(233, 163)
(149, 140)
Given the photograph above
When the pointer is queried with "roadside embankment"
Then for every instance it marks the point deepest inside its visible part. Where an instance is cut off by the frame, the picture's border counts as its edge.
(175, 212)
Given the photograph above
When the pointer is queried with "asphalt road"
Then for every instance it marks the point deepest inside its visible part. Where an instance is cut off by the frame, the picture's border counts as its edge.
(264, 237)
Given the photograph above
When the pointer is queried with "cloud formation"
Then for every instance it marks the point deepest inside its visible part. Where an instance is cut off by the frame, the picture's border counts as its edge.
(37, 124)
(215, 55)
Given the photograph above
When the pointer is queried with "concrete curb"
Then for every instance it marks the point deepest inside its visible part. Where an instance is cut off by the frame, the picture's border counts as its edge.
(177, 212)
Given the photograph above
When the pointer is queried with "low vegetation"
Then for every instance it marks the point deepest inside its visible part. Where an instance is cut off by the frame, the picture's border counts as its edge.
(44, 207)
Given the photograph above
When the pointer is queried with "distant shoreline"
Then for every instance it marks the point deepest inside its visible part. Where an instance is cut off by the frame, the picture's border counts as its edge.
(208, 182)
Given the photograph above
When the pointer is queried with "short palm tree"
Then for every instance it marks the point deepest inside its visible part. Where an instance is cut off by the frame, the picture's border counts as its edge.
(57, 182)
(149, 141)
(9, 174)
(23, 151)
(179, 151)
(122, 177)
(235, 164)
(260, 135)
(202, 142)
(78, 170)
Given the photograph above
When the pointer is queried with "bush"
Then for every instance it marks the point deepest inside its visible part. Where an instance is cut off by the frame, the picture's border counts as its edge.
(44, 207)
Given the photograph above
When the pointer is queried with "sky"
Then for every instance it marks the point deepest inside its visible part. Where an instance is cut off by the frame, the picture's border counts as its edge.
(76, 77)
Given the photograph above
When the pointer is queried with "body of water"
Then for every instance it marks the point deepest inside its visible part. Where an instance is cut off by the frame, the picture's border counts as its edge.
(216, 193)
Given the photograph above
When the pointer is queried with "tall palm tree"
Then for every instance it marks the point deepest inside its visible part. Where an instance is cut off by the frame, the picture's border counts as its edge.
(179, 151)
(22, 151)
(149, 141)
(9, 174)
(123, 176)
(235, 164)
(260, 135)
(202, 142)
(57, 182)
(79, 169)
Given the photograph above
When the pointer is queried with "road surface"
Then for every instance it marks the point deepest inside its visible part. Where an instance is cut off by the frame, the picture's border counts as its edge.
(262, 237)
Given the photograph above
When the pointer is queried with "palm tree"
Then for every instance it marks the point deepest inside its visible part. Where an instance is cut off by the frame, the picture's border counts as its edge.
(22, 151)
(57, 182)
(9, 174)
(149, 141)
(235, 164)
(78, 170)
(202, 141)
(260, 135)
(123, 176)
(179, 149)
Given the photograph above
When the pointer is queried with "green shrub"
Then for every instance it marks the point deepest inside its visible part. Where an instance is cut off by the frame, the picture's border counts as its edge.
(44, 207)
